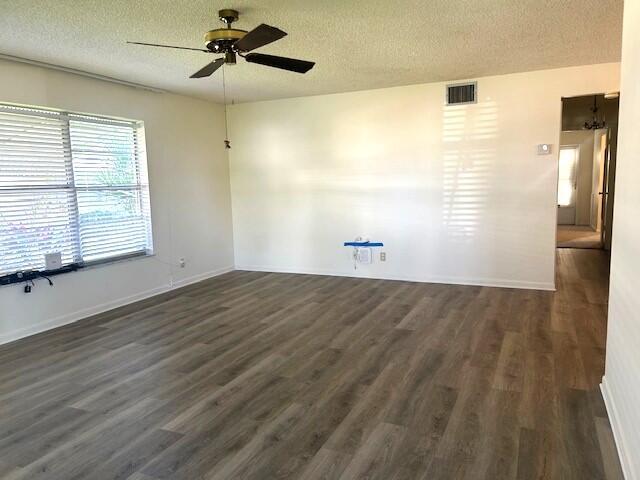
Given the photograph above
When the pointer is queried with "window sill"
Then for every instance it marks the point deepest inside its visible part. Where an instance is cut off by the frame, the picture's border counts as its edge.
(115, 260)
(11, 279)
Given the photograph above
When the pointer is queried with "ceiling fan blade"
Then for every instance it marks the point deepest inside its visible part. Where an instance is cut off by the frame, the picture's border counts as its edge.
(259, 36)
(168, 46)
(291, 64)
(208, 69)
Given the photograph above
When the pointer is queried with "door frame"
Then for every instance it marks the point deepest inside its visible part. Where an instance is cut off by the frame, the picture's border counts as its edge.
(557, 166)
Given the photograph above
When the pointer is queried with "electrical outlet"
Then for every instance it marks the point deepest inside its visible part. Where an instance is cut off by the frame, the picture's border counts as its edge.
(383, 256)
(53, 261)
(363, 255)
(182, 263)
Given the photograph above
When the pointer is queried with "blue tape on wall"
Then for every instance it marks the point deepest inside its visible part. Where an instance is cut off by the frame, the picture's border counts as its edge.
(363, 244)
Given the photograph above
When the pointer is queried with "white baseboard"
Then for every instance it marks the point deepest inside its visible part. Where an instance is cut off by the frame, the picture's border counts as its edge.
(482, 282)
(615, 421)
(103, 307)
(203, 276)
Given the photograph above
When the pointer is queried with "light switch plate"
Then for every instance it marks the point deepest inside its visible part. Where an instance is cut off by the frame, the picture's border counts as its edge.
(544, 149)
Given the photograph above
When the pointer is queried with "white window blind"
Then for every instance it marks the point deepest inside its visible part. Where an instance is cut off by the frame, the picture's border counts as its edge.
(73, 184)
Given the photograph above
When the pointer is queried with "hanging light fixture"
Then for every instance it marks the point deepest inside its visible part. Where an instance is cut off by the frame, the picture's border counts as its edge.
(595, 123)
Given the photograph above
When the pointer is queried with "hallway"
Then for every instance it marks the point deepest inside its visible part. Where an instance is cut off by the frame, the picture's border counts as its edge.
(574, 236)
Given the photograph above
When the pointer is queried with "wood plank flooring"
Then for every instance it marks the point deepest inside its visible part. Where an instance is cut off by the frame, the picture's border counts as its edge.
(276, 376)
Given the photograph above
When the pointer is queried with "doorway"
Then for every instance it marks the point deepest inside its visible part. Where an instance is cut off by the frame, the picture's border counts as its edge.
(586, 171)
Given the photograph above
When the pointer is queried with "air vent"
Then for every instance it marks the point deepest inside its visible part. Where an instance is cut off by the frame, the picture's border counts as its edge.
(461, 93)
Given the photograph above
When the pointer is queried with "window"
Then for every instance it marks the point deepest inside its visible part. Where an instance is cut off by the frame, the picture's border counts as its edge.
(567, 176)
(73, 184)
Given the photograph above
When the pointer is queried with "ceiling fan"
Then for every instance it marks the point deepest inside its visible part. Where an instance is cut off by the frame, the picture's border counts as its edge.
(231, 42)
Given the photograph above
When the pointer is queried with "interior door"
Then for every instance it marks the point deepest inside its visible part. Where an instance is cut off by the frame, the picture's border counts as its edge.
(599, 156)
(609, 187)
(567, 185)
(600, 168)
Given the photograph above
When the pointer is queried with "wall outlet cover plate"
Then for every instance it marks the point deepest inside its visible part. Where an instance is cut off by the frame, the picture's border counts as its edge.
(364, 255)
(53, 261)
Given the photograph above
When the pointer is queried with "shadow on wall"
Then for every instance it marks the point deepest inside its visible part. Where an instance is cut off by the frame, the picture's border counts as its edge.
(468, 131)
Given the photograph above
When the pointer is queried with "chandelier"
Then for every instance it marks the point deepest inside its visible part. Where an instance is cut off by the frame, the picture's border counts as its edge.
(594, 123)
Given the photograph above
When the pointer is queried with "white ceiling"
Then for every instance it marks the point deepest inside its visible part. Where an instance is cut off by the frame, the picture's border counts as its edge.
(357, 44)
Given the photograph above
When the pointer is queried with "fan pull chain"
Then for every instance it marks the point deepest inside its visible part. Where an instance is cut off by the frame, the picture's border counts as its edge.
(227, 143)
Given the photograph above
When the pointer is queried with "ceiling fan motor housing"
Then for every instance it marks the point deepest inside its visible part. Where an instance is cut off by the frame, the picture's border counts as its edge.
(221, 40)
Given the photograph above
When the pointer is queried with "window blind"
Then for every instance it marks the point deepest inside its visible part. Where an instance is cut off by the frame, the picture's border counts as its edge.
(73, 184)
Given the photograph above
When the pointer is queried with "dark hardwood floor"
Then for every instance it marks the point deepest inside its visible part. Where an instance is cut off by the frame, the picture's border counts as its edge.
(277, 376)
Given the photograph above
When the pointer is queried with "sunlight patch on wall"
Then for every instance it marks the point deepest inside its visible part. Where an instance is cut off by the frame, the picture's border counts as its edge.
(468, 163)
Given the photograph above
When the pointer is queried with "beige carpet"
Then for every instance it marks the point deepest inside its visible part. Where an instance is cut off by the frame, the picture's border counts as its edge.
(572, 236)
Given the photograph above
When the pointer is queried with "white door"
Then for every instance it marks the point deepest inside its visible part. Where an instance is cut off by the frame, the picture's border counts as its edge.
(567, 185)
(598, 192)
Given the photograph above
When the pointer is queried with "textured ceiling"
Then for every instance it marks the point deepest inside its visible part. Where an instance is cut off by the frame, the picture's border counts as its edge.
(357, 44)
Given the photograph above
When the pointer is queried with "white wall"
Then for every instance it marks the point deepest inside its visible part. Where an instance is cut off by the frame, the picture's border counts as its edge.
(621, 384)
(457, 194)
(190, 199)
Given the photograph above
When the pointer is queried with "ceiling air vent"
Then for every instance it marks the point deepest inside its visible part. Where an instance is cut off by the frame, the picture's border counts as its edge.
(461, 93)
